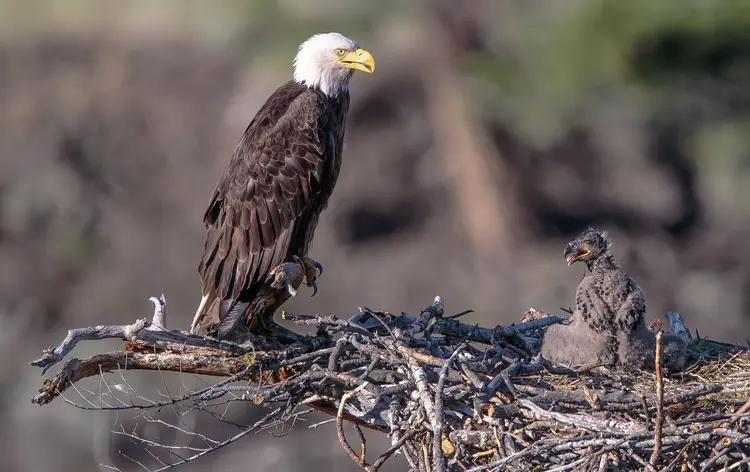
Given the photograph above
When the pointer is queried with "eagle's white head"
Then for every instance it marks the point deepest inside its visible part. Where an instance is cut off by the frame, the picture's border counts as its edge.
(328, 60)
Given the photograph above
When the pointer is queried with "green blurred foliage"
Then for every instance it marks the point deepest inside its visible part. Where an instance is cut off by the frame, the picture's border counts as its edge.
(548, 59)
(558, 60)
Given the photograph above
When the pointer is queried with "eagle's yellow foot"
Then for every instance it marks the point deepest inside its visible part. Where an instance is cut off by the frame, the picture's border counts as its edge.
(313, 270)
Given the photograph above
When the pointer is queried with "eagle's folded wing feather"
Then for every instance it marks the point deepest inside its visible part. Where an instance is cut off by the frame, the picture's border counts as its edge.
(272, 177)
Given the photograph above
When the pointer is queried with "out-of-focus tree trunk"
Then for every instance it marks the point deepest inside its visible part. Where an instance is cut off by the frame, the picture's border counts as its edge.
(484, 188)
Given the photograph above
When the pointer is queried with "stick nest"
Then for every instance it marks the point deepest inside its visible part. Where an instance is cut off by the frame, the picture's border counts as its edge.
(449, 395)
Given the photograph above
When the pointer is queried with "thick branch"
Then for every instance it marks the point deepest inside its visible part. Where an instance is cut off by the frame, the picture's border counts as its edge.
(76, 370)
(454, 328)
(445, 403)
(140, 330)
(200, 363)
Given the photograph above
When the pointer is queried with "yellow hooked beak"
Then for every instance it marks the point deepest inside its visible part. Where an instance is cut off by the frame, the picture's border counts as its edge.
(571, 258)
(359, 60)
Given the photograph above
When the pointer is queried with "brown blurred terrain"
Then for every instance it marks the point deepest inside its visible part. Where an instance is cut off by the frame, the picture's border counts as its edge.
(491, 134)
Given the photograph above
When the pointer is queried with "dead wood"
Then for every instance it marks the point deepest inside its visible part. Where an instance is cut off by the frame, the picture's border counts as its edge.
(450, 395)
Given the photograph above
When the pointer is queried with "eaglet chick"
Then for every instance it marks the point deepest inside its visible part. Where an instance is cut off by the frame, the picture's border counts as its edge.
(608, 326)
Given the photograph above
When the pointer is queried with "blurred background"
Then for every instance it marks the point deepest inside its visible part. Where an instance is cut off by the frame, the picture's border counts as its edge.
(492, 132)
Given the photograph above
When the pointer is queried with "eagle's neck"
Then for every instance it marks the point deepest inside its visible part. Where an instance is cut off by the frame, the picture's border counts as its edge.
(330, 82)
(603, 263)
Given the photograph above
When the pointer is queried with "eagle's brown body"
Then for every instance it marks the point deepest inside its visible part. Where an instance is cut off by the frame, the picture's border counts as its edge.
(280, 285)
(265, 207)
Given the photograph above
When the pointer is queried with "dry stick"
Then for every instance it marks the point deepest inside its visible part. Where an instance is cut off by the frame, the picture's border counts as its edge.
(396, 446)
(435, 310)
(222, 444)
(143, 330)
(453, 328)
(362, 441)
(438, 458)
(739, 464)
(340, 426)
(78, 369)
(174, 358)
(737, 415)
(623, 402)
(133, 332)
(642, 461)
(159, 320)
(659, 422)
(646, 416)
(497, 464)
(603, 462)
(503, 377)
(412, 456)
(719, 452)
(331, 321)
(420, 379)
(426, 456)
(581, 421)
(603, 452)
(386, 382)
(676, 457)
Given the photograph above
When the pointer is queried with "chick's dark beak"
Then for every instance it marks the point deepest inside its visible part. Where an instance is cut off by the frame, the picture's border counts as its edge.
(573, 252)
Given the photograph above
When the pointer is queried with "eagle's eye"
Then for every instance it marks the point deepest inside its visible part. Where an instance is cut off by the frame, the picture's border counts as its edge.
(340, 52)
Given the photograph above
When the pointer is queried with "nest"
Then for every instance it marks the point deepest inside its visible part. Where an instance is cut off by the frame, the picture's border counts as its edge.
(455, 396)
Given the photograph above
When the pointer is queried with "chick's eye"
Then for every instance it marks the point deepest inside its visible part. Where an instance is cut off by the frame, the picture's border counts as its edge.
(340, 52)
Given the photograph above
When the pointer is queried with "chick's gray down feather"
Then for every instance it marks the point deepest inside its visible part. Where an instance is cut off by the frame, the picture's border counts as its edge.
(609, 322)
(580, 344)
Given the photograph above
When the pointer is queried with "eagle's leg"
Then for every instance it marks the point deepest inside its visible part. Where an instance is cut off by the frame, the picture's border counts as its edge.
(313, 270)
(268, 328)
(264, 325)
(283, 335)
(261, 322)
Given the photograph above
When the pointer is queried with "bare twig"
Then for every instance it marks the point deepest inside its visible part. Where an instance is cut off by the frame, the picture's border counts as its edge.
(438, 458)
(659, 421)
(134, 332)
(435, 310)
(737, 414)
(360, 460)
(445, 403)
(583, 421)
(159, 320)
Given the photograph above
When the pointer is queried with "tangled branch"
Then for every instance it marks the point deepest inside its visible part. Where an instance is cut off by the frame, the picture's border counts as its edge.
(449, 395)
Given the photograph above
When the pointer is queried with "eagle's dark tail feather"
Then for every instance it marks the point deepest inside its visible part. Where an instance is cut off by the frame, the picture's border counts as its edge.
(231, 312)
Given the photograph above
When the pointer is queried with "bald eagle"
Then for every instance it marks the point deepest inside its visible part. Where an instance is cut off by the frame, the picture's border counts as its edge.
(265, 207)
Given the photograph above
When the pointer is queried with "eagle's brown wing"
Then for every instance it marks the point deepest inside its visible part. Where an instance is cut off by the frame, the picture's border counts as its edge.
(274, 175)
